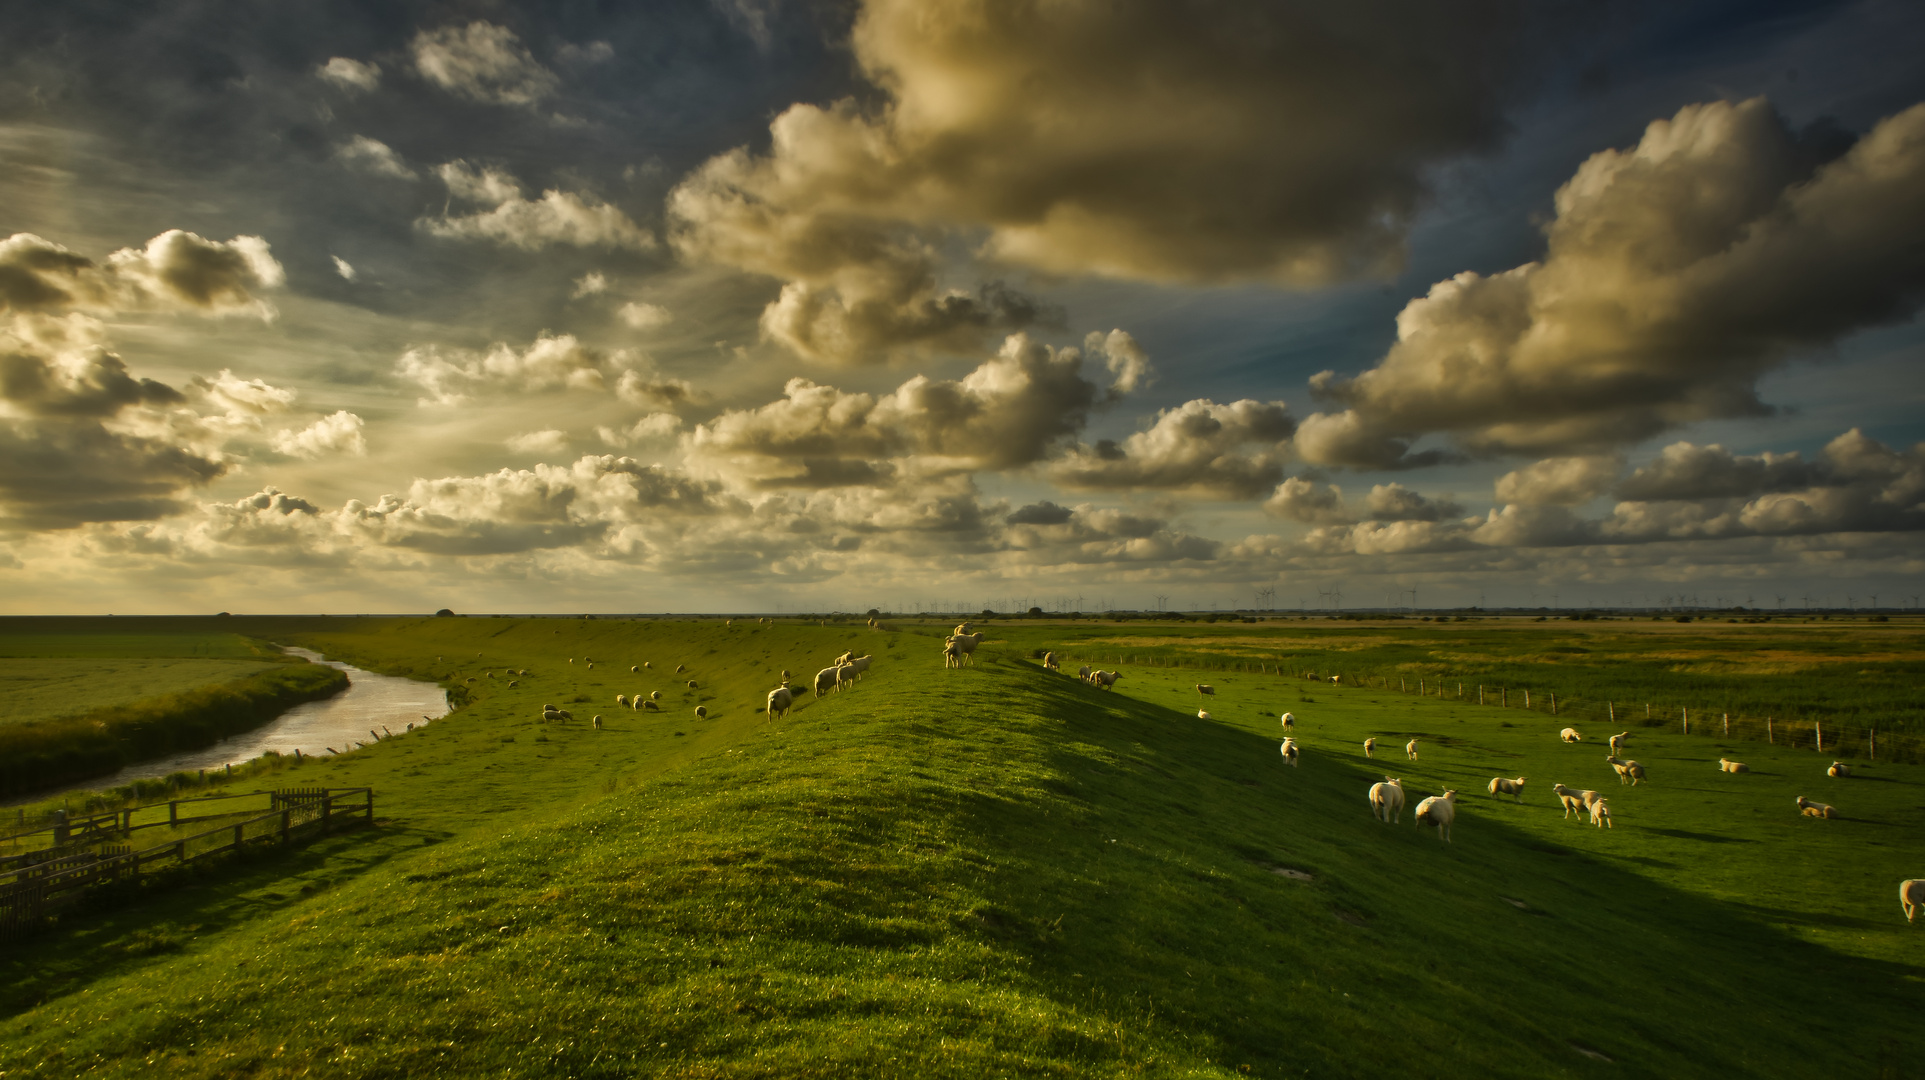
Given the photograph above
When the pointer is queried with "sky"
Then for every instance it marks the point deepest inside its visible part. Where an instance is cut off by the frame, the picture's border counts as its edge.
(769, 305)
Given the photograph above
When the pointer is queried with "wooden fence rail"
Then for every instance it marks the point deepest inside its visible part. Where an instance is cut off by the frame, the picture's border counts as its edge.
(29, 892)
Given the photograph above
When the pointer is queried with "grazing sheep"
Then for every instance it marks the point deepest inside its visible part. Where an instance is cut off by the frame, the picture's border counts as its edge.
(701, 712)
(1816, 809)
(649, 706)
(591, 667)
(1370, 747)
(1290, 721)
(1601, 815)
(514, 684)
(1574, 801)
(1911, 896)
(621, 699)
(1334, 679)
(781, 700)
(598, 721)
(951, 655)
(634, 669)
(1732, 766)
(691, 684)
(1290, 752)
(1049, 661)
(1205, 690)
(1202, 715)
(647, 665)
(860, 665)
(1513, 788)
(679, 668)
(845, 675)
(1838, 770)
(1082, 673)
(825, 680)
(1570, 735)
(1107, 679)
(654, 695)
(1411, 749)
(549, 708)
(1617, 741)
(1387, 800)
(1438, 812)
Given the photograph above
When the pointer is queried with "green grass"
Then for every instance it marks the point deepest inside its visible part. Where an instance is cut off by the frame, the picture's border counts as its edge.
(44, 688)
(29, 637)
(990, 872)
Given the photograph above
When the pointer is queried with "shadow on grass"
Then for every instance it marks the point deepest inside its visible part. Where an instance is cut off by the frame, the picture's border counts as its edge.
(1144, 875)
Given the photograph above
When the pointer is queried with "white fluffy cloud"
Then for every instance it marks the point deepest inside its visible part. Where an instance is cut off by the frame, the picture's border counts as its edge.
(1231, 451)
(337, 433)
(482, 62)
(558, 217)
(374, 156)
(350, 74)
(1677, 272)
(549, 441)
(644, 316)
(449, 376)
(1560, 481)
(176, 270)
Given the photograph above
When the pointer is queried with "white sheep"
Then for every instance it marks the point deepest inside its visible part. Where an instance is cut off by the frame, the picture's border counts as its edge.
(1574, 801)
(1629, 772)
(1513, 788)
(1438, 811)
(951, 655)
(1387, 800)
(781, 700)
(1334, 679)
(679, 668)
(598, 721)
(654, 695)
(1370, 747)
(1838, 770)
(826, 680)
(1601, 815)
(621, 699)
(691, 684)
(1732, 766)
(1290, 752)
(1411, 749)
(961, 629)
(1202, 715)
(786, 676)
(701, 712)
(1816, 809)
(1570, 735)
(1082, 673)
(845, 658)
(1290, 721)
(634, 668)
(1049, 661)
(1107, 679)
(1617, 741)
(966, 643)
(1911, 896)
(649, 706)
(860, 665)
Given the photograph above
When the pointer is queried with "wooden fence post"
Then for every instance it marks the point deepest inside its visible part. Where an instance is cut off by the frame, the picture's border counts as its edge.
(1874, 734)
(1769, 738)
(1727, 725)
(173, 812)
(1818, 726)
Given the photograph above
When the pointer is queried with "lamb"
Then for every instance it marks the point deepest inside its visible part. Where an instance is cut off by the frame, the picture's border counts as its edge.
(1290, 721)
(951, 655)
(1513, 788)
(1601, 815)
(1838, 770)
(598, 721)
(1570, 735)
(1202, 715)
(1911, 896)
(701, 712)
(1290, 752)
(967, 644)
(1370, 747)
(1617, 741)
(1411, 749)
(1205, 690)
(1438, 811)
(1107, 679)
(781, 700)
(1574, 801)
(1816, 809)
(1049, 661)
(1732, 766)
(845, 658)
(825, 680)
(1629, 772)
(1387, 800)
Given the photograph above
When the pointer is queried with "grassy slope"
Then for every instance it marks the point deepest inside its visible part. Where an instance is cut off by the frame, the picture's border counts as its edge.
(990, 872)
(45, 688)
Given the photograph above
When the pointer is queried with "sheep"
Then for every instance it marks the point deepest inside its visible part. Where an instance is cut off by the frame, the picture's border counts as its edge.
(951, 655)
(1911, 896)
(967, 644)
(1732, 766)
(548, 708)
(962, 629)
(701, 712)
(825, 680)
(1290, 752)
(1082, 673)
(1629, 772)
(679, 668)
(845, 658)
(514, 684)
(1838, 770)
(1334, 679)
(781, 700)
(1370, 747)
(691, 684)
(1601, 815)
(598, 721)
(654, 695)
(1205, 690)
(1387, 800)
(1411, 749)
(621, 699)
(1574, 801)
(634, 669)
(591, 667)
(1289, 721)
(845, 675)
(1203, 715)
(1107, 679)
(1816, 809)
(786, 676)
(1513, 788)
(1049, 661)
(860, 665)
(649, 706)
(1617, 741)
(1570, 735)
(647, 665)
(1438, 811)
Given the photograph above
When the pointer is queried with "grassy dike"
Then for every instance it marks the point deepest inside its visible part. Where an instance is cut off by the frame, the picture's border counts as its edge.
(988, 872)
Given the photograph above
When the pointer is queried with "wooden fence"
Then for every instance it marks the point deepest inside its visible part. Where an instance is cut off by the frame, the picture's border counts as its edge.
(38, 881)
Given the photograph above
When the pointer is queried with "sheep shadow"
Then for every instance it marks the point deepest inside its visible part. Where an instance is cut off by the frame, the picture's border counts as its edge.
(1702, 838)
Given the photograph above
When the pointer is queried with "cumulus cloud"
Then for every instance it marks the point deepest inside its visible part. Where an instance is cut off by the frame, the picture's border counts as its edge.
(350, 74)
(592, 283)
(558, 217)
(1300, 499)
(337, 433)
(1005, 414)
(655, 391)
(1231, 451)
(373, 156)
(549, 441)
(1687, 471)
(1560, 481)
(1676, 274)
(644, 316)
(482, 62)
(1277, 142)
(1395, 502)
(450, 376)
(176, 270)
(653, 429)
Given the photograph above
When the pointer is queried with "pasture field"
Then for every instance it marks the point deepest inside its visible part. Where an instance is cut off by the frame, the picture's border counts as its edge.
(992, 871)
(45, 688)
